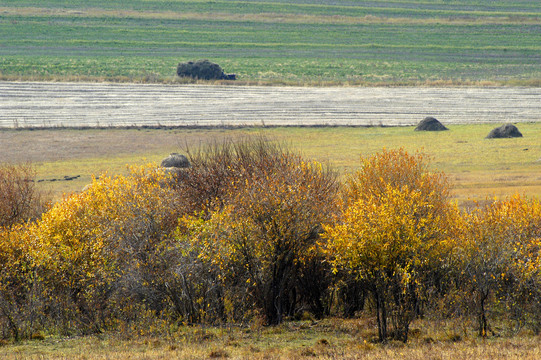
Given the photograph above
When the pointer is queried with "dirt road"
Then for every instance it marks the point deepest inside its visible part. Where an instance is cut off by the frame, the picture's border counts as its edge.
(29, 104)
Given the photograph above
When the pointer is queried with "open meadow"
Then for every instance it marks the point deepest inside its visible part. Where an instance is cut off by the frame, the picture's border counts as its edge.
(278, 42)
(478, 167)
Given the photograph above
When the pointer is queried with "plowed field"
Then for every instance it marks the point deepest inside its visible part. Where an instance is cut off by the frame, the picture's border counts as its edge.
(30, 104)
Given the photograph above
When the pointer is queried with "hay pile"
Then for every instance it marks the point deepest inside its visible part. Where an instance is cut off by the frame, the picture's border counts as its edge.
(175, 160)
(430, 124)
(204, 70)
(504, 131)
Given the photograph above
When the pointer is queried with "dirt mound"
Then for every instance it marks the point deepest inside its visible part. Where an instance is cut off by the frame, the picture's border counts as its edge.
(175, 161)
(430, 123)
(504, 131)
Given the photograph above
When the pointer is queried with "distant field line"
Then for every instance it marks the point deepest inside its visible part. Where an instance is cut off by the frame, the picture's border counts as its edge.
(491, 17)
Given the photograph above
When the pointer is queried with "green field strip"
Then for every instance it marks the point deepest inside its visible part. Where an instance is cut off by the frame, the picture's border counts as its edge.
(275, 70)
(291, 7)
(466, 37)
(196, 44)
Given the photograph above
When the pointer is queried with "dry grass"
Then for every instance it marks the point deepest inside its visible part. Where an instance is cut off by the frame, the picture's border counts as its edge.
(57, 153)
(327, 339)
(175, 80)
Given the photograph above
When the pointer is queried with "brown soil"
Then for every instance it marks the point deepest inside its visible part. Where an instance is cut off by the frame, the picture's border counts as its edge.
(65, 144)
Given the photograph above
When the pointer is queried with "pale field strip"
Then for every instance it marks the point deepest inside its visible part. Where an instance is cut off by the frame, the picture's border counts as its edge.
(460, 17)
(42, 104)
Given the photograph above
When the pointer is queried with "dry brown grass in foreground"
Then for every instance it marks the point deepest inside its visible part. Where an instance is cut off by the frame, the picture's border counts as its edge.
(325, 339)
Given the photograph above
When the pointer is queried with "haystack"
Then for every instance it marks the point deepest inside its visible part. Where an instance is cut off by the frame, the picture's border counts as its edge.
(504, 131)
(175, 160)
(204, 70)
(430, 123)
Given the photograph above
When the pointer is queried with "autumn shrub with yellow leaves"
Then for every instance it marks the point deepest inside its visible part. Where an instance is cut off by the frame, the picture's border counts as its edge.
(497, 253)
(19, 289)
(94, 252)
(391, 234)
(103, 246)
(412, 248)
(260, 228)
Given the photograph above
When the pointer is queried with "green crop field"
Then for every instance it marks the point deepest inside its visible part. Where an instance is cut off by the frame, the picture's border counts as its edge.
(291, 42)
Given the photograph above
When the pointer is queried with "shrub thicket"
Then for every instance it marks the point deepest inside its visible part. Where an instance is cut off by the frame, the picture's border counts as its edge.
(497, 250)
(391, 233)
(252, 231)
(90, 256)
(262, 210)
(20, 203)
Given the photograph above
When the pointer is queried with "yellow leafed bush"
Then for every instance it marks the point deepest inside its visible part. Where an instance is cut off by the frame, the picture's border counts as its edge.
(497, 251)
(262, 233)
(251, 233)
(91, 250)
(391, 233)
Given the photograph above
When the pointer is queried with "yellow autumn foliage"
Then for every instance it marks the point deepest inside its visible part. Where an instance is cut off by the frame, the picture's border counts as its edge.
(264, 234)
(87, 244)
(392, 230)
(498, 252)
(251, 232)
(386, 235)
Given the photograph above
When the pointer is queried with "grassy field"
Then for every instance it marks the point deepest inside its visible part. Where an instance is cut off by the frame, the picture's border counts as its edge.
(478, 167)
(291, 42)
